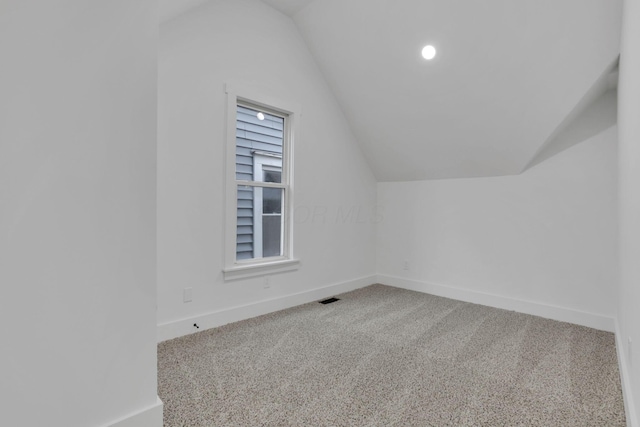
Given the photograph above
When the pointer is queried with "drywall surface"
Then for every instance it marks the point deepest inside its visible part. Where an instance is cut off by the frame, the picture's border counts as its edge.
(547, 236)
(247, 43)
(77, 211)
(629, 129)
(588, 119)
(169, 9)
(506, 74)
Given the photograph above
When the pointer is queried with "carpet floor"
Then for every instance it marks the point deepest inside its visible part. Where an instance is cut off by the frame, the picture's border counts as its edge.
(383, 356)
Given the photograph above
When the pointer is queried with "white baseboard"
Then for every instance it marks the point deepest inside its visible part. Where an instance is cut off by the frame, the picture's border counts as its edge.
(178, 328)
(147, 417)
(562, 314)
(629, 407)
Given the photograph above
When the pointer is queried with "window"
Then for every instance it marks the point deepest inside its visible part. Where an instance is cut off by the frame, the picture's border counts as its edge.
(258, 219)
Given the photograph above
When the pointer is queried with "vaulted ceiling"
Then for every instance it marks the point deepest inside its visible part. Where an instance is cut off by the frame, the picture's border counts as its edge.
(508, 77)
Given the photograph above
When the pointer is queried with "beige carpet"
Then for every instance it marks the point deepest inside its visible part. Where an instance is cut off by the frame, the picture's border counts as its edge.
(383, 356)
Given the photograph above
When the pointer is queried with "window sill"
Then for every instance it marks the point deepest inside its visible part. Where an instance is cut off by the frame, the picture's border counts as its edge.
(251, 270)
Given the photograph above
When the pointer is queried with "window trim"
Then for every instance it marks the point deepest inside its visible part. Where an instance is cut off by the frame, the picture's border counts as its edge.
(239, 269)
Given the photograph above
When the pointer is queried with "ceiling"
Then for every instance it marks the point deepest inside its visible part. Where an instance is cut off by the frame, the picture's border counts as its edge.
(508, 77)
(288, 7)
(169, 9)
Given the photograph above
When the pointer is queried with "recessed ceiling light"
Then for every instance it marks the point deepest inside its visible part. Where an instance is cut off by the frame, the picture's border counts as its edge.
(260, 116)
(428, 52)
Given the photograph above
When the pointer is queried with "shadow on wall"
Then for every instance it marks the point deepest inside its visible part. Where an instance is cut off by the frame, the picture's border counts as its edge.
(596, 112)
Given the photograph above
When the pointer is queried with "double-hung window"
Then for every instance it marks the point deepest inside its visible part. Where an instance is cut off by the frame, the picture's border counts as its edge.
(258, 221)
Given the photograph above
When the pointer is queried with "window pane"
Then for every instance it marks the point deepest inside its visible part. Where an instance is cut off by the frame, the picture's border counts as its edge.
(271, 235)
(259, 141)
(259, 222)
(272, 201)
(245, 229)
(272, 175)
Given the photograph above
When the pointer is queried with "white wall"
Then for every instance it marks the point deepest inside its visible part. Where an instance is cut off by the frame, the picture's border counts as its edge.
(547, 236)
(248, 43)
(628, 113)
(77, 212)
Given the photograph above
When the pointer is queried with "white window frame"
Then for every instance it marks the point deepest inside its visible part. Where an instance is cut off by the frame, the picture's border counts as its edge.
(240, 269)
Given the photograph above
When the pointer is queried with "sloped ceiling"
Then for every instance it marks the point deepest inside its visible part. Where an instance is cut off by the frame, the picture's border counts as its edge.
(169, 9)
(288, 7)
(507, 74)
(595, 112)
(508, 77)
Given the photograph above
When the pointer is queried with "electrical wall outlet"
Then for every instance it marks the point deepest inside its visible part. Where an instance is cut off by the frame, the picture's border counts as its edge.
(267, 282)
(187, 295)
